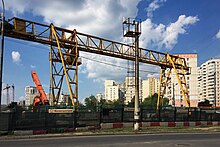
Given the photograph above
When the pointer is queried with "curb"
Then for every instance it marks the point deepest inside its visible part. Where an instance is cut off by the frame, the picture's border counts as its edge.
(159, 124)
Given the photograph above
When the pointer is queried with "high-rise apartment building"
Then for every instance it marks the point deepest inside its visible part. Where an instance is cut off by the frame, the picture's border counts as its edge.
(129, 84)
(30, 93)
(209, 81)
(111, 90)
(175, 94)
(150, 87)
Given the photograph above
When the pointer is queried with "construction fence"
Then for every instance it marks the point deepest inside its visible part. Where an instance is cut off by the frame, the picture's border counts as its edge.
(43, 119)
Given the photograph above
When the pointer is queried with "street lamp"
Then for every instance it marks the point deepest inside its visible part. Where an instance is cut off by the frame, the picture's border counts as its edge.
(1, 50)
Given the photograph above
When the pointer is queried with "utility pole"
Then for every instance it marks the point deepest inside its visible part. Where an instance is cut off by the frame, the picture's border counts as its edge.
(132, 28)
(136, 101)
(1, 51)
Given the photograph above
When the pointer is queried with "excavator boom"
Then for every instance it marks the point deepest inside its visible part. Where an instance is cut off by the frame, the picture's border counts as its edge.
(42, 96)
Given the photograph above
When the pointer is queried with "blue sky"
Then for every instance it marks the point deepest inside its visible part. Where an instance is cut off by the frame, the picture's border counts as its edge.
(183, 26)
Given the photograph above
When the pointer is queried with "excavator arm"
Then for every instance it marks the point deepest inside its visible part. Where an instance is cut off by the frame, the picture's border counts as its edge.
(41, 99)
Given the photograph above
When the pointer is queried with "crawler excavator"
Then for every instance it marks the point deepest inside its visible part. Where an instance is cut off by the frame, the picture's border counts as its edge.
(41, 98)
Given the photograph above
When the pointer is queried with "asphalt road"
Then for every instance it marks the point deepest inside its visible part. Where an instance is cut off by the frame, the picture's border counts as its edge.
(138, 140)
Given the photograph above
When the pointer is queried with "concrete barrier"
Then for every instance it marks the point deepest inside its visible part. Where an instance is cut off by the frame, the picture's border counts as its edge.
(23, 132)
(38, 132)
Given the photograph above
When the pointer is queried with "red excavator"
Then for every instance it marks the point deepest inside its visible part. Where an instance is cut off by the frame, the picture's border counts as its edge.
(41, 99)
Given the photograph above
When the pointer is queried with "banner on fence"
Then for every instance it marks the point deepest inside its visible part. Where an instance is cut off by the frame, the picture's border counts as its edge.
(60, 111)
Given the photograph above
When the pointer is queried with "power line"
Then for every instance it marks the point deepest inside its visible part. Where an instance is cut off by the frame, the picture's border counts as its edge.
(106, 63)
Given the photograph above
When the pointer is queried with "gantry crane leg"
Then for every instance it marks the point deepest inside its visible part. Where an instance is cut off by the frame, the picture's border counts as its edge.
(64, 63)
(165, 78)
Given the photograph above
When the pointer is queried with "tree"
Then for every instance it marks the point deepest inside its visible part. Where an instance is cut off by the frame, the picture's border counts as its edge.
(131, 103)
(117, 103)
(91, 101)
(103, 102)
(151, 102)
(165, 102)
(205, 103)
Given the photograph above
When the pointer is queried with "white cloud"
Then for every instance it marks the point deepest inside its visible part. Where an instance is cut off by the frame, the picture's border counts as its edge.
(21, 98)
(16, 57)
(33, 66)
(97, 17)
(101, 71)
(154, 5)
(162, 35)
(218, 35)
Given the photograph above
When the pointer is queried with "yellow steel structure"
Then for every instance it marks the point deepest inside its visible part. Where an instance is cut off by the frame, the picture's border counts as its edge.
(165, 79)
(69, 69)
(64, 55)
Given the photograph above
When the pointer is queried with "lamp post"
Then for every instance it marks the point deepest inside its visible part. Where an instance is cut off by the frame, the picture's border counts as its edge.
(1, 51)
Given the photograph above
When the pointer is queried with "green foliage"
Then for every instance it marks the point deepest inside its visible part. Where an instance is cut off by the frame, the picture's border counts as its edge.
(91, 101)
(165, 102)
(151, 102)
(131, 103)
(205, 103)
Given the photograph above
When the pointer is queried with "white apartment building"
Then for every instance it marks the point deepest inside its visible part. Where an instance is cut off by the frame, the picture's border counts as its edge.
(99, 96)
(175, 95)
(129, 84)
(150, 87)
(111, 90)
(30, 93)
(209, 81)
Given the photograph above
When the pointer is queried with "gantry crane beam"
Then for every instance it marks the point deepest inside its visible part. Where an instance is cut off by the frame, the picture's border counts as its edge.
(40, 33)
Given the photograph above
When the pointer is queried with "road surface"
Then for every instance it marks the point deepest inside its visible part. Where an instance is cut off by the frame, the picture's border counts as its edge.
(136, 140)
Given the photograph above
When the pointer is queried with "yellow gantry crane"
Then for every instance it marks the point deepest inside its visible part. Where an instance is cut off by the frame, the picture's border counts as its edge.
(64, 55)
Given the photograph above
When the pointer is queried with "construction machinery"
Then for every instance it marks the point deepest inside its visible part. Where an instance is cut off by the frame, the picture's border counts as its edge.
(41, 99)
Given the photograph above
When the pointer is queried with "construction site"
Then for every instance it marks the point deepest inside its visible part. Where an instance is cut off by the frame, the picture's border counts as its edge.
(65, 47)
